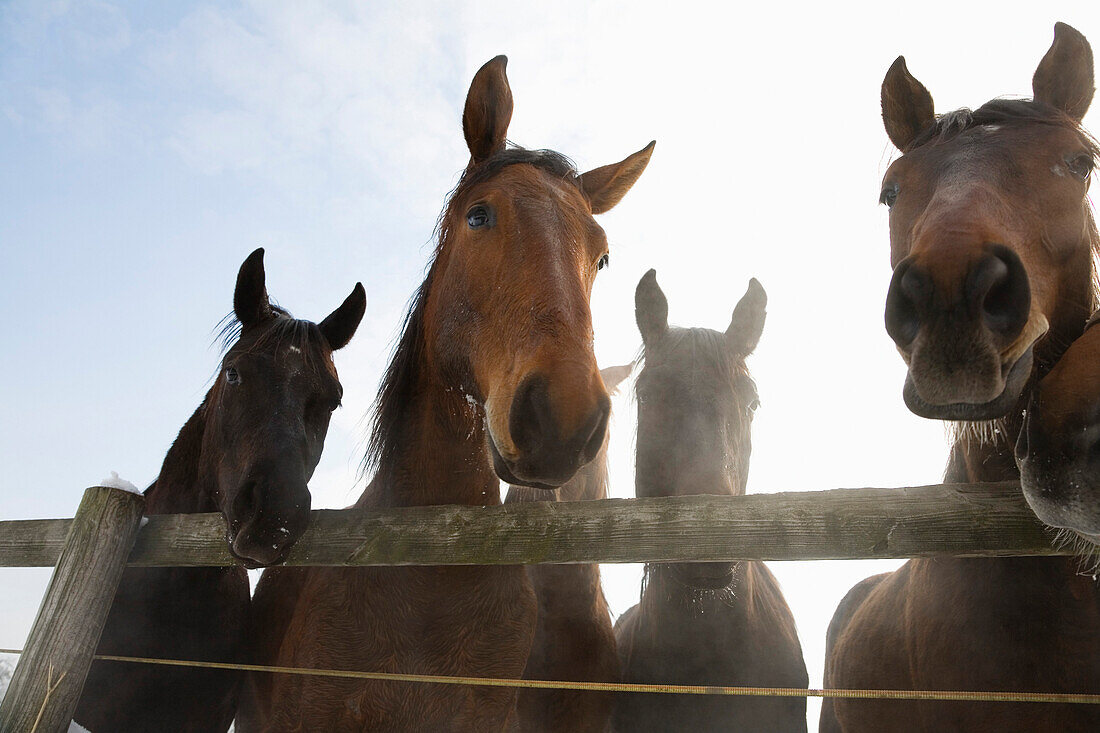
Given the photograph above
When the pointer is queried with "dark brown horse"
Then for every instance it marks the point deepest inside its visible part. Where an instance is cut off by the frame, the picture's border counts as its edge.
(493, 378)
(574, 639)
(247, 452)
(992, 241)
(1058, 450)
(703, 623)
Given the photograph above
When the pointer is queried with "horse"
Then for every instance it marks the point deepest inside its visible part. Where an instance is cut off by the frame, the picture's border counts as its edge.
(574, 639)
(493, 378)
(703, 623)
(992, 242)
(1057, 448)
(248, 452)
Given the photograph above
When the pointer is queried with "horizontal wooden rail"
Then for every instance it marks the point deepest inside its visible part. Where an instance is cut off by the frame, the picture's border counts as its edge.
(969, 520)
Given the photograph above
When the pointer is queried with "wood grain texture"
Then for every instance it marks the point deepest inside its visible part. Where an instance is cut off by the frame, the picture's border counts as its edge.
(972, 520)
(46, 685)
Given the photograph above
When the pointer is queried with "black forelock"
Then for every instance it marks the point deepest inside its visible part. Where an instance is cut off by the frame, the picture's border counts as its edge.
(551, 161)
(280, 328)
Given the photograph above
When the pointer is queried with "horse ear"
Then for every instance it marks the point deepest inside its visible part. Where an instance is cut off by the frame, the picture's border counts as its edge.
(250, 303)
(1063, 78)
(605, 186)
(747, 323)
(488, 110)
(339, 326)
(906, 105)
(614, 376)
(650, 308)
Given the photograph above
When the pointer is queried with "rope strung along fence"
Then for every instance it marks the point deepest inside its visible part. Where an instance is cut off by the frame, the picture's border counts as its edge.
(958, 695)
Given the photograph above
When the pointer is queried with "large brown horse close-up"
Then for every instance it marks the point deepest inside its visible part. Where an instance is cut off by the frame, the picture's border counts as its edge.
(993, 242)
(252, 463)
(574, 640)
(703, 623)
(1058, 449)
(493, 378)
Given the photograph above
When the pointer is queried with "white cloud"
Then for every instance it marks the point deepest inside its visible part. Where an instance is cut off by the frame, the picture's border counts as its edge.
(273, 83)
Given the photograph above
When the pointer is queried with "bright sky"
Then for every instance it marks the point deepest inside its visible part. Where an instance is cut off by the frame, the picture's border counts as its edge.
(147, 148)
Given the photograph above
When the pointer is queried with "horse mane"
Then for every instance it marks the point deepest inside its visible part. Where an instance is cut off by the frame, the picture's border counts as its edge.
(398, 386)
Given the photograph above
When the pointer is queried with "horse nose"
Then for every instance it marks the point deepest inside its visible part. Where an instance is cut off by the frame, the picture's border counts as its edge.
(547, 451)
(995, 293)
(266, 518)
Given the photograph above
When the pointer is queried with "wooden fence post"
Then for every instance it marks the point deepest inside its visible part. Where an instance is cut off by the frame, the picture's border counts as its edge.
(46, 685)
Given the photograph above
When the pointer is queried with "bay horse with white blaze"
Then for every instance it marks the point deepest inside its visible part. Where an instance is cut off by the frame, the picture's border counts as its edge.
(703, 623)
(248, 452)
(493, 378)
(574, 639)
(1058, 450)
(992, 241)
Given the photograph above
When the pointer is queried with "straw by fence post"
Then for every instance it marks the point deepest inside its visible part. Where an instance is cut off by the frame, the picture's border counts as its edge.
(46, 685)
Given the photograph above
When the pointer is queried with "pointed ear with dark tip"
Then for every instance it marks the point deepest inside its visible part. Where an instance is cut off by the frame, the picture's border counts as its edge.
(614, 376)
(650, 308)
(488, 110)
(906, 105)
(605, 186)
(250, 303)
(747, 323)
(339, 326)
(1064, 77)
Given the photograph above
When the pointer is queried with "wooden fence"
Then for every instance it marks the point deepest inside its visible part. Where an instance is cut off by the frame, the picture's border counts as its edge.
(90, 550)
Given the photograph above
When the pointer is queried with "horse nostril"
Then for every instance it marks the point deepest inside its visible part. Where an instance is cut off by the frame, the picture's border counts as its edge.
(997, 289)
(908, 298)
(598, 421)
(530, 420)
(244, 503)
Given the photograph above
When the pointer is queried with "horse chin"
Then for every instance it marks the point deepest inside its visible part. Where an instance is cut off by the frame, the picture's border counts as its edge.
(505, 473)
(1055, 514)
(998, 407)
(252, 563)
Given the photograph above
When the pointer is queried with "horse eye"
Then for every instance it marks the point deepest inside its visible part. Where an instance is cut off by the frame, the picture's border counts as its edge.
(479, 216)
(603, 262)
(232, 376)
(889, 195)
(754, 405)
(1081, 165)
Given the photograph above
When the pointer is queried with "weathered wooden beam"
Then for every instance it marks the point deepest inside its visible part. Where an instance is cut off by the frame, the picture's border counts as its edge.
(47, 681)
(972, 520)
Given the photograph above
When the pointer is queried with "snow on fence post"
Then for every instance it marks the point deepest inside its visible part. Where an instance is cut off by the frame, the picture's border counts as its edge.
(46, 685)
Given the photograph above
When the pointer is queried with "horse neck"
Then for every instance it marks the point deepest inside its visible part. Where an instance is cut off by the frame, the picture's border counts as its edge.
(983, 452)
(179, 488)
(440, 455)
